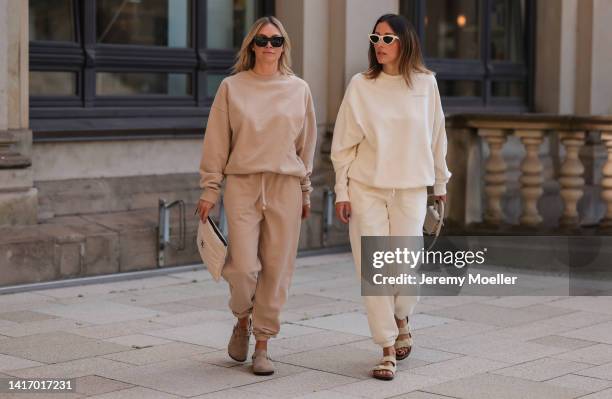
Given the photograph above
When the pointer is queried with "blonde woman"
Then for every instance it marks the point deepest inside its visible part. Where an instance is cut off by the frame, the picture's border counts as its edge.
(260, 136)
(389, 144)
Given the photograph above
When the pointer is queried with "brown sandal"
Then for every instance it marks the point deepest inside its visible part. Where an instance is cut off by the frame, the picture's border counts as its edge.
(385, 367)
(403, 347)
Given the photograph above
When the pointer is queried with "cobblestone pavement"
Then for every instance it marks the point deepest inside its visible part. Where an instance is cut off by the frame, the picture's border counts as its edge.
(165, 337)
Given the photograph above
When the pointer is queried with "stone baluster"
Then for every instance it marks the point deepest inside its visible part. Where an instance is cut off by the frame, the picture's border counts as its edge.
(571, 177)
(606, 180)
(531, 176)
(495, 174)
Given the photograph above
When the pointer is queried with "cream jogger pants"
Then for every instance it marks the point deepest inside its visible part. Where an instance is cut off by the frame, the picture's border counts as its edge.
(264, 217)
(384, 212)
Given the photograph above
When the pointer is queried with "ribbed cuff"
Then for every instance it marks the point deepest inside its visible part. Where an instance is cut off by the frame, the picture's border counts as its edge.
(439, 189)
(305, 198)
(210, 196)
(342, 196)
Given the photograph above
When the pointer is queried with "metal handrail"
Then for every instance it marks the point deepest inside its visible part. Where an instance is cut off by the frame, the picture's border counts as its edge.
(163, 229)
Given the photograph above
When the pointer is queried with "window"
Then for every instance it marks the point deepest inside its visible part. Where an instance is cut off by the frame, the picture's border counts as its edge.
(479, 49)
(131, 66)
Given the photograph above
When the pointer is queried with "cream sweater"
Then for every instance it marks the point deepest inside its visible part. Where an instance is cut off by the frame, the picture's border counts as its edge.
(259, 124)
(388, 135)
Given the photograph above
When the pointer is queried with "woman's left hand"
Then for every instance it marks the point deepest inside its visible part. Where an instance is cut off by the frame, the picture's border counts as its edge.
(305, 211)
(440, 197)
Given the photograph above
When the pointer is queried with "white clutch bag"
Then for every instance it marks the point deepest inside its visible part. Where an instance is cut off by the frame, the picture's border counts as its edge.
(434, 219)
(212, 246)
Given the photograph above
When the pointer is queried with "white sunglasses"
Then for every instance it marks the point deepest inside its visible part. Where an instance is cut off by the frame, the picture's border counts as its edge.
(386, 39)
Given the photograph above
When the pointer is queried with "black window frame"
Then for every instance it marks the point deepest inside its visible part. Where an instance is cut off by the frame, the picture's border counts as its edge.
(86, 116)
(484, 69)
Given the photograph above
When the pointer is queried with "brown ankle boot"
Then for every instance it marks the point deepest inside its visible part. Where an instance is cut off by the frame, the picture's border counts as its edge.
(238, 347)
(262, 365)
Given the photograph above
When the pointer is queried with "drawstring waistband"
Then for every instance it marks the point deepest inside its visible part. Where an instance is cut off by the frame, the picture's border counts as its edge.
(263, 193)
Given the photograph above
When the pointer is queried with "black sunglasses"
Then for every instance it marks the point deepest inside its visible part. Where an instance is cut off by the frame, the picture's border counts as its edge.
(262, 41)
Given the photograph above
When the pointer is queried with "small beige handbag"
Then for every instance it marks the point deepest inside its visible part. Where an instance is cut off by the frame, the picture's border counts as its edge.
(434, 219)
(212, 246)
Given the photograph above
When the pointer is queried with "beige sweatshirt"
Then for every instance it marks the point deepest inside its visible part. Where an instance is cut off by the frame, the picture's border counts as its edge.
(259, 124)
(388, 135)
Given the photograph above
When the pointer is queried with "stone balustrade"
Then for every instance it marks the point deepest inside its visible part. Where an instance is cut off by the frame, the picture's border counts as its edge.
(566, 133)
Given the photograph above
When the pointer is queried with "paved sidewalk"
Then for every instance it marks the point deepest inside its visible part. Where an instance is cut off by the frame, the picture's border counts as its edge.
(165, 337)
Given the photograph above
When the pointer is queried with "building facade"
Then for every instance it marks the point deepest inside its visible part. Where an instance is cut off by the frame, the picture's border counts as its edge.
(103, 103)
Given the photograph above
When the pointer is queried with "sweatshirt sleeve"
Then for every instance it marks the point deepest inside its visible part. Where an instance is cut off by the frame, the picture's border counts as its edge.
(216, 147)
(305, 146)
(439, 146)
(347, 136)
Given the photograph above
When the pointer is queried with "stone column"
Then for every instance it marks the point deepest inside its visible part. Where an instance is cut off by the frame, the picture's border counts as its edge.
(18, 197)
(606, 181)
(571, 176)
(495, 175)
(531, 176)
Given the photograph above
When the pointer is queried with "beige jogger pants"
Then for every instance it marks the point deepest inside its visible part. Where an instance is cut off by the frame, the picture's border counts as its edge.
(264, 216)
(384, 212)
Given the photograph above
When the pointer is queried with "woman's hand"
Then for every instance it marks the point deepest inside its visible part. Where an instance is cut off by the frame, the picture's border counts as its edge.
(343, 211)
(305, 211)
(204, 208)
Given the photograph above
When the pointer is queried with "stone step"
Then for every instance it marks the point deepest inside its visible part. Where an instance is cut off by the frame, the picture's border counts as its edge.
(89, 245)
(114, 242)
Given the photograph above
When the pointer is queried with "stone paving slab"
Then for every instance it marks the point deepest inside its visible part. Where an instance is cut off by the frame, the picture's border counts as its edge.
(587, 384)
(542, 369)
(56, 347)
(603, 372)
(579, 319)
(111, 330)
(302, 383)
(135, 393)
(402, 383)
(321, 310)
(160, 353)
(349, 323)
(213, 334)
(166, 337)
(98, 312)
(232, 393)
(458, 367)
(91, 385)
(605, 394)
(488, 314)
(69, 369)
(192, 317)
(355, 362)
(562, 342)
(598, 333)
(14, 363)
(41, 326)
(487, 386)
(422, 395)
(138, 341)
(25, 316)
(596, 354)
(189, 377)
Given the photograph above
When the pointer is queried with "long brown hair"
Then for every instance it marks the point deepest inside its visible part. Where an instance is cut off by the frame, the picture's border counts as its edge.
(410, 58)
(245, 59)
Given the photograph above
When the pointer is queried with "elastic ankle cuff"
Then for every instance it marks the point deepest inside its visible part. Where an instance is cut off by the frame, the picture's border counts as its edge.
(386, 344)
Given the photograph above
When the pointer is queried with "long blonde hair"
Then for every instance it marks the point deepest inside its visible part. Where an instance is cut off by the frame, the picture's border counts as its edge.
(245, 59)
